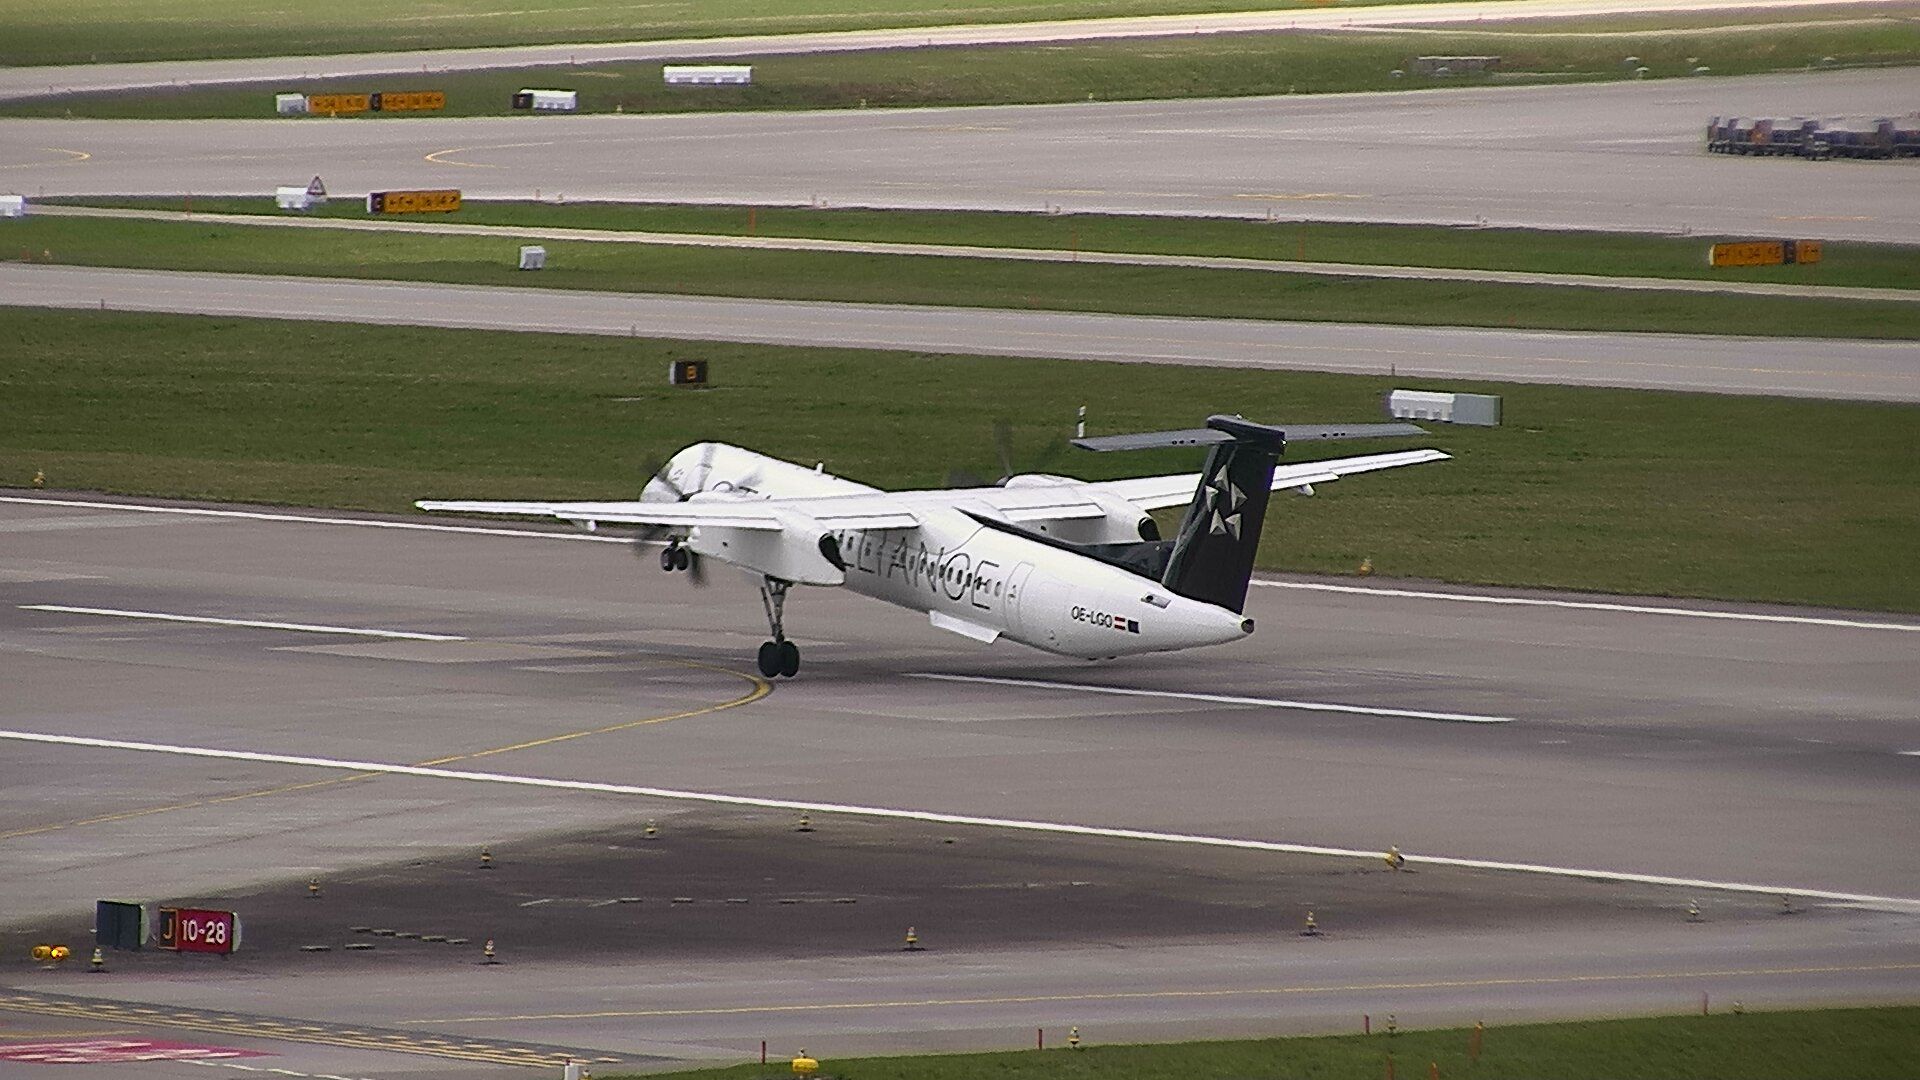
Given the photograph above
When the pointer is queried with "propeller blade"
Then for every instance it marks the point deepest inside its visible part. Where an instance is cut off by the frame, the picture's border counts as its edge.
(696, 570)
(1003, 445)
(1048, 455)
(656, 469)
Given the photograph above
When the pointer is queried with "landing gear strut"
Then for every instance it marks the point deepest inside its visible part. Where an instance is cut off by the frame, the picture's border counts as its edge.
(674, 557)
(777, 657)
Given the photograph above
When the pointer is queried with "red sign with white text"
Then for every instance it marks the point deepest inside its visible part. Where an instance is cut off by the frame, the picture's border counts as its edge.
(199, 930)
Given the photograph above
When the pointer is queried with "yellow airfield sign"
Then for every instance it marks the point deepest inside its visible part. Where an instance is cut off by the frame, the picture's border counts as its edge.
(442, 201)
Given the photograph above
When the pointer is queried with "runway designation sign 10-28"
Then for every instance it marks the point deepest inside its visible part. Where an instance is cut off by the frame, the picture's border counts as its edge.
(199, 930)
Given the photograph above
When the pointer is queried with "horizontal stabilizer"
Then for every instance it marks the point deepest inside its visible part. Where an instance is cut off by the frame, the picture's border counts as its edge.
(1231, 429)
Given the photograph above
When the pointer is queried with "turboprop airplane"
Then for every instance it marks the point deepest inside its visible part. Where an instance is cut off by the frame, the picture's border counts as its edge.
(1069, 566)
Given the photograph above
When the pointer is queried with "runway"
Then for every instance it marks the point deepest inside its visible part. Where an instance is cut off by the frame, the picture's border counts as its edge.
(38, 81)
(1622, 156)
(1854, 369)
(1727, 743)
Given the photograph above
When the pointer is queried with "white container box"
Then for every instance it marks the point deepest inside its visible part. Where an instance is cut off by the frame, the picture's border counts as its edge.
(547, 100)
(708, 74)
(1479, 410)
(293, 198)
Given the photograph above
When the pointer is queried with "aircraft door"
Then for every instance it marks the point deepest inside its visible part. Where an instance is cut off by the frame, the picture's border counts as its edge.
(1016, 584)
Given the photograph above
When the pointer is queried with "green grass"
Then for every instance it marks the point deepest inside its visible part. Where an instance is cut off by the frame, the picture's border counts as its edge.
(794, 275)
(1838, 1044)
(1614, 254)
(1623, 491)
(1206, 66)
(105, 31)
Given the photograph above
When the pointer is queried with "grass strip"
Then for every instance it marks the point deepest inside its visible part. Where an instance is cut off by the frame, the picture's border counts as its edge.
(902, 279)
(1231, 65)
(1811, 502)
(1528, 250)
(1835, 1044)
(107, 31)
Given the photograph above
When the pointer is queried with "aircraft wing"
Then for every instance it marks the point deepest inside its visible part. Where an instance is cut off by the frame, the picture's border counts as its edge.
(1160, 492)
(1018, 503)
(788, 539)
(837, 512)
(899, 510)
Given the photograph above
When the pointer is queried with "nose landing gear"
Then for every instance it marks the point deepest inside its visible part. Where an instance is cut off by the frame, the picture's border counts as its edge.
(778, 657)
(674, 557)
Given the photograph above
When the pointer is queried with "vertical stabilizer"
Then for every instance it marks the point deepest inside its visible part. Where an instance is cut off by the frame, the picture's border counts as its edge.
(1212, 556)
(1213, 551)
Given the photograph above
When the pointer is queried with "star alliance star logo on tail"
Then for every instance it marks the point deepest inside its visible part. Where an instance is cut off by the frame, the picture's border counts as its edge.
(1222, 490)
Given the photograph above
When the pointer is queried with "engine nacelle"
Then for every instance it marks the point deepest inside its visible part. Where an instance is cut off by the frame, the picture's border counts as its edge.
(801, 550)
(1120, 522)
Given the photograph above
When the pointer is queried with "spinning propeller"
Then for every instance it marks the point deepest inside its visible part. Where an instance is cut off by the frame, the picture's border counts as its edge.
(1003, 449)
(675, 555)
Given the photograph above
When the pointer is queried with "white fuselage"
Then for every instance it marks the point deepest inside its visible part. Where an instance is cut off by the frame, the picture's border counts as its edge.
(975, 580)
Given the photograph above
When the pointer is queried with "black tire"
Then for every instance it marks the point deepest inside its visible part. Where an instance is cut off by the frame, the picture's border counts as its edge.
(770, 659)
(789, 659)
(682, 558)
(666, 558)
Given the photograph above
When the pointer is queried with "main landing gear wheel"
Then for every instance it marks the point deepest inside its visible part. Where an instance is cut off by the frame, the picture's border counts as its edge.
(674, 557)
(778, 657)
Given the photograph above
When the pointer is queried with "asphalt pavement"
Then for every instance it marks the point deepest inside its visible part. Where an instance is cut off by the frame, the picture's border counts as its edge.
(1618, 156)
(41, 81)
(1857, 369)
(1719, 744)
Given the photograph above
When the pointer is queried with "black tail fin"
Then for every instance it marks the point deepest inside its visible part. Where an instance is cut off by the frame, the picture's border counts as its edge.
(1212, 556)
(1213, 552)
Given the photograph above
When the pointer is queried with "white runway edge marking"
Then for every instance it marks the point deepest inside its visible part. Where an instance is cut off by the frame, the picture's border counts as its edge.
(1222, 699)
(307, 519)
(256, 1068)
(1593, 605)
(257, 624)
(1900, 903)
